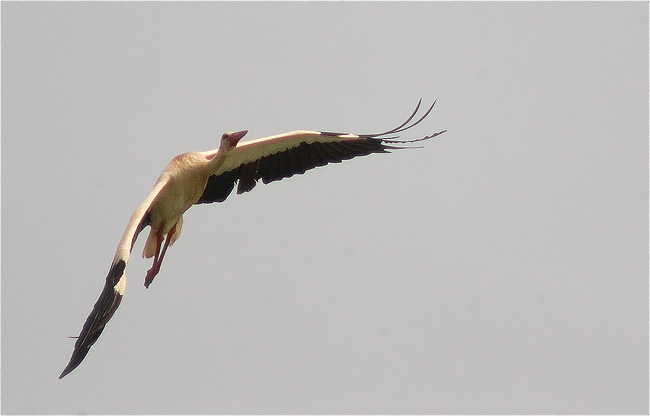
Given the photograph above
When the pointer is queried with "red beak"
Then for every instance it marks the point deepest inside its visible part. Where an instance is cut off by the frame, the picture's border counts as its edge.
(235, 137)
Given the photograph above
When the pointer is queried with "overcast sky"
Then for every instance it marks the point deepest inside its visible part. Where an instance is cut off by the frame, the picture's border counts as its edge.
(502, 268)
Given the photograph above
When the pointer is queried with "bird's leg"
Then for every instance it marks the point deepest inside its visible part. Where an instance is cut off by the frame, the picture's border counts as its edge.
(155, 268)
(158, 258)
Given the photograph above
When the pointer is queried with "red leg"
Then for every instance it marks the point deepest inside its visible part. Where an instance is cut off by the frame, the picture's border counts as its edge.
(158, 258)
(155, 268)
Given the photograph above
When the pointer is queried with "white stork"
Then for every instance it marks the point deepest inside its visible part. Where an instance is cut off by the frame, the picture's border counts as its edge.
(204, 177)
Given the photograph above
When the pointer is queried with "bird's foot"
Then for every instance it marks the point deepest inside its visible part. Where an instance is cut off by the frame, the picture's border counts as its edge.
(151, 273)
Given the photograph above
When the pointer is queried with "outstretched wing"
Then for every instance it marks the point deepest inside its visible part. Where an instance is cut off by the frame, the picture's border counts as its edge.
(111, 296)
(274, 158)
(103, 310)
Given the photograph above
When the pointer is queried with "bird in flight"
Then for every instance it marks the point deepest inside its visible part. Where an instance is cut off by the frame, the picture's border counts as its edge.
(204, 177)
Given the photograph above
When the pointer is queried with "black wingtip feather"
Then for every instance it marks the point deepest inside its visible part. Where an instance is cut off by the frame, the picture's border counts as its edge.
(104, 308)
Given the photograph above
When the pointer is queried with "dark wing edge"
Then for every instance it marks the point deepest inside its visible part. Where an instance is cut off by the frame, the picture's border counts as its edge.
(102, 312)
(305, 156)
(108, 302)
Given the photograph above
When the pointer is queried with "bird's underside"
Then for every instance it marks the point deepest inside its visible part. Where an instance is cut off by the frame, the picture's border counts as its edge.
(205, 177)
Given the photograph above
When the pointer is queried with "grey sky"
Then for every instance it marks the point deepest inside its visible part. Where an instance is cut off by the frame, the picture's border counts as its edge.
(501, 269)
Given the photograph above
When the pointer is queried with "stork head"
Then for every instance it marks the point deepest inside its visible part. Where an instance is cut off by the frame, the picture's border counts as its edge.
(231, 138)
